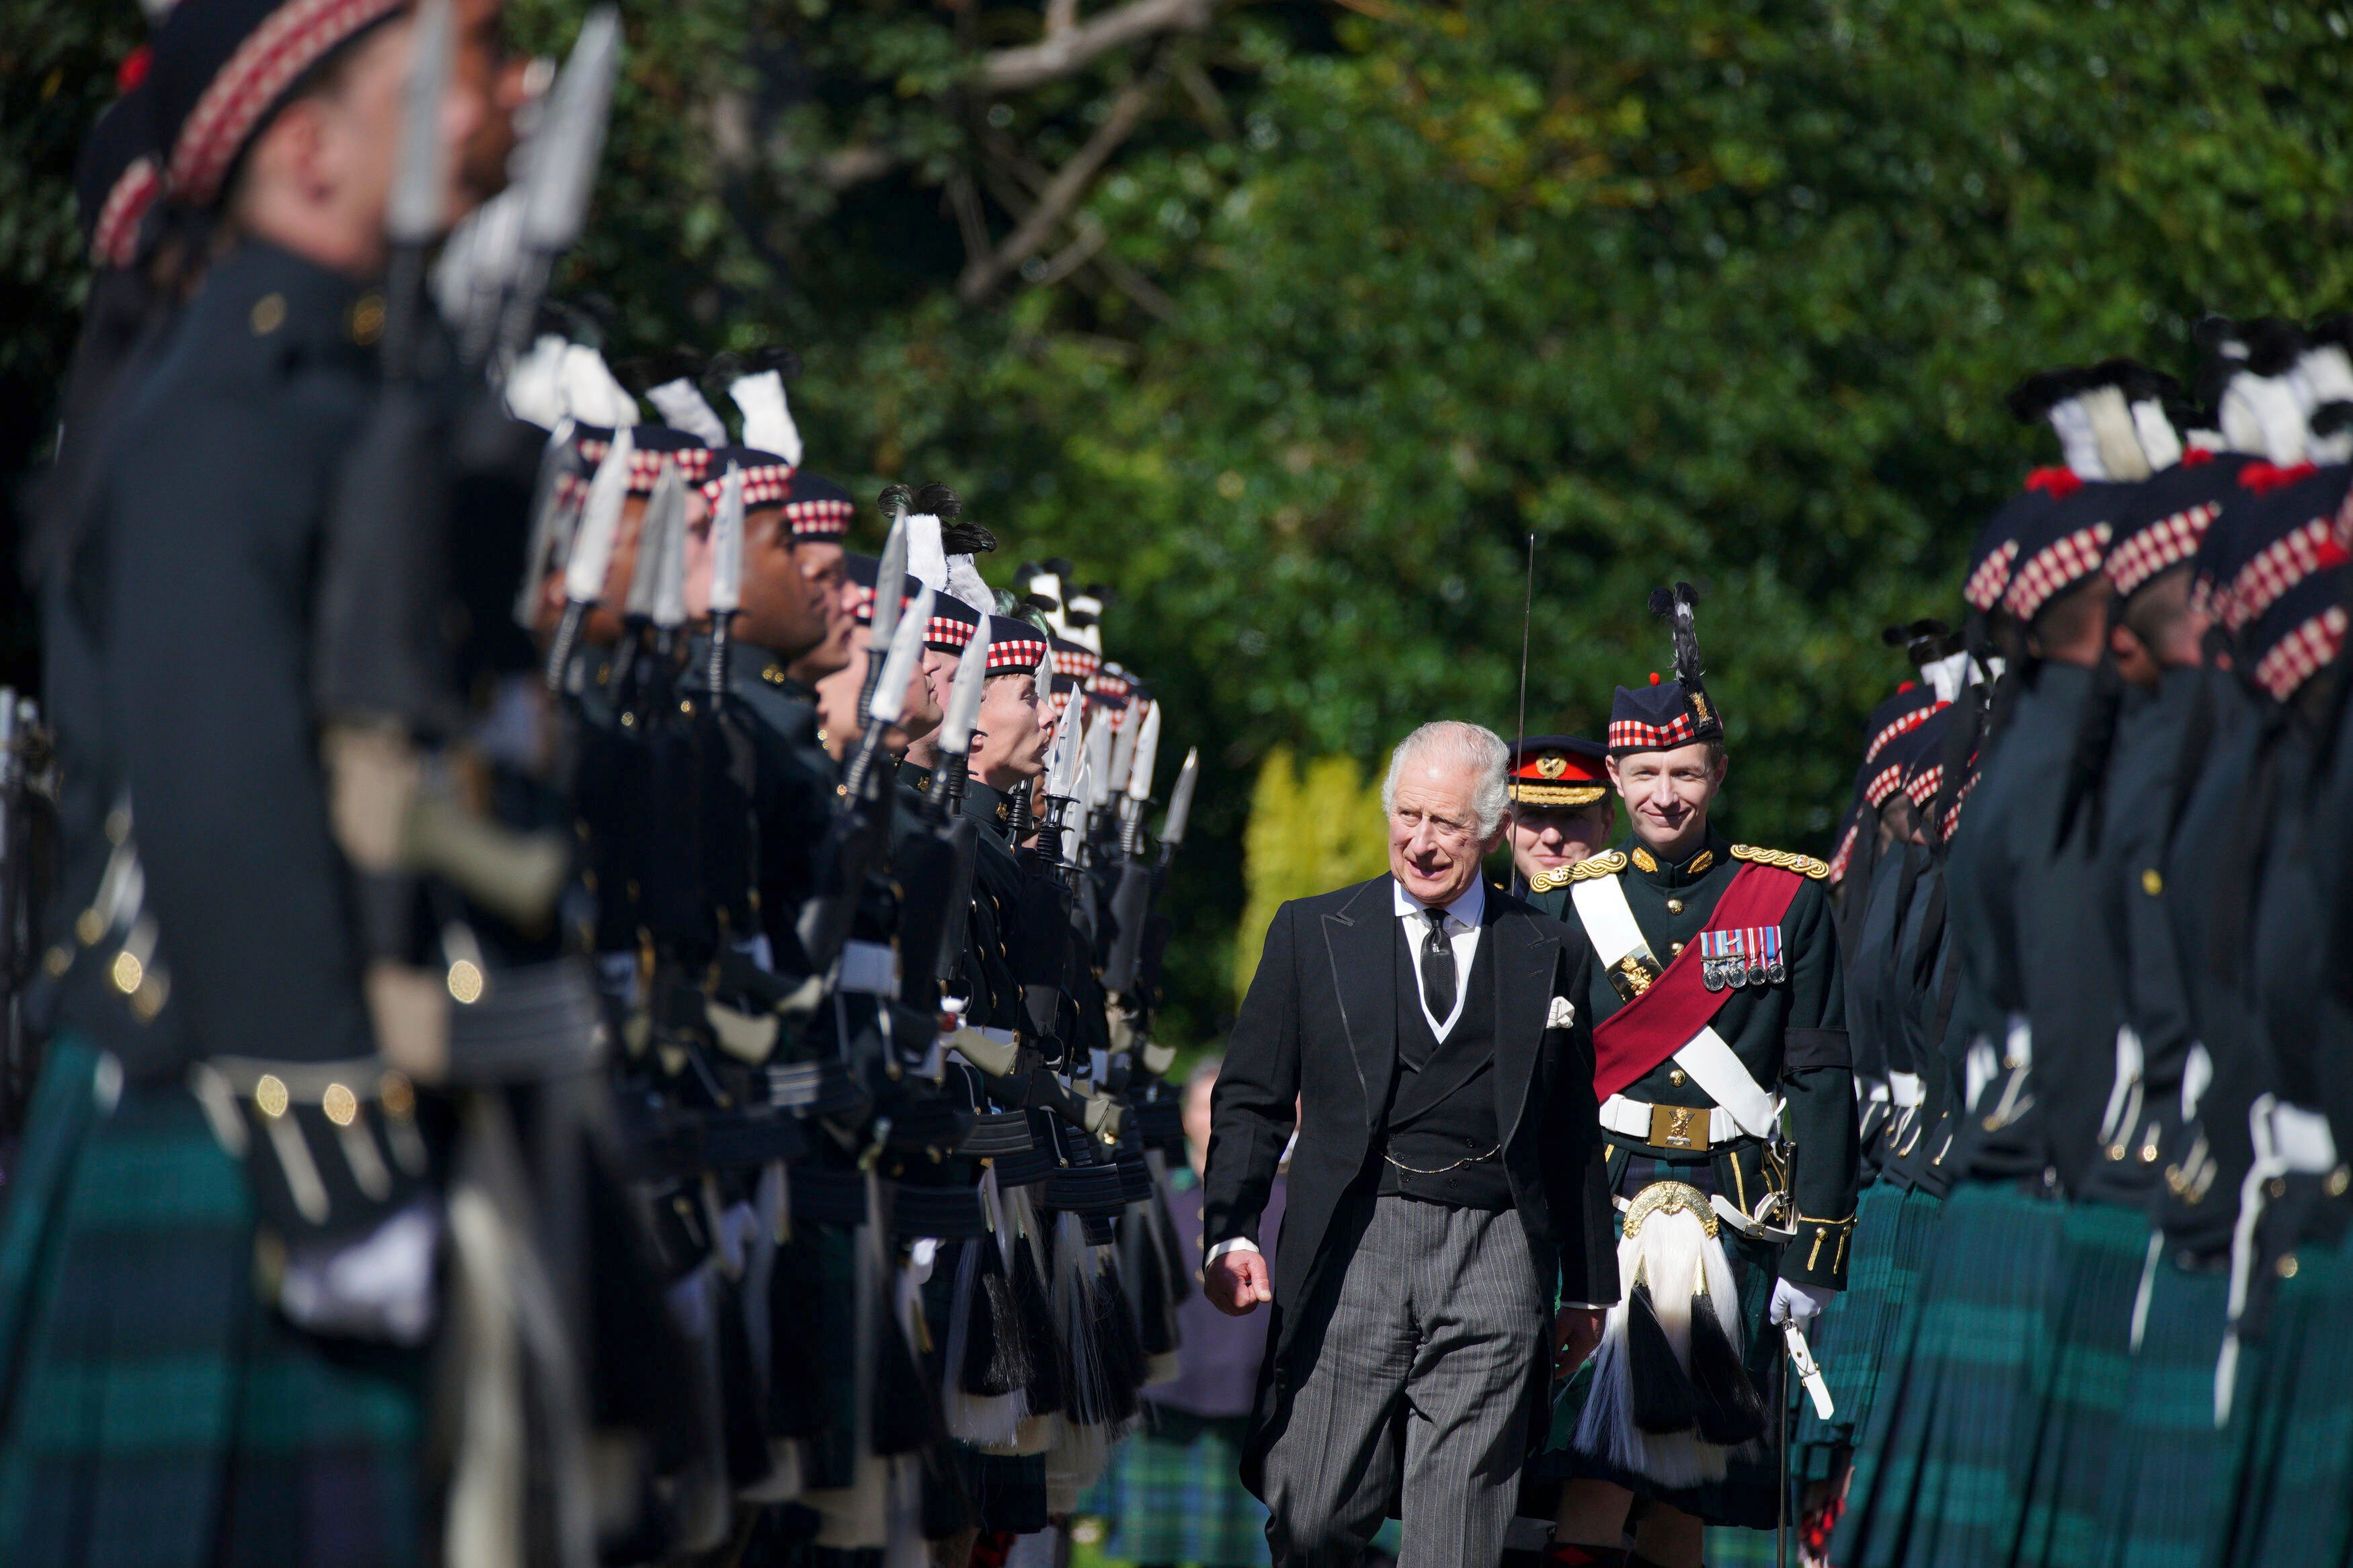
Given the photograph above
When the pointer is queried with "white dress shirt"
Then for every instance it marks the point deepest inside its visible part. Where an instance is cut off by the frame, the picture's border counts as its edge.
(1462, 917)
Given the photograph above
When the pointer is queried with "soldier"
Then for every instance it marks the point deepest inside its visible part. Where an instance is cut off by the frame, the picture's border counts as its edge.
(1561, 813)
(223, 929)
(1719, 1013)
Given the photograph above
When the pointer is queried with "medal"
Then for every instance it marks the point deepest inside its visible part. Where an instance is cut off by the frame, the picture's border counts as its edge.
(1712, 972)
(1775, 969)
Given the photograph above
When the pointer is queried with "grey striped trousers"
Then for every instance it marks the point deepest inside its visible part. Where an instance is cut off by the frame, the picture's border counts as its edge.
(1426, 1358)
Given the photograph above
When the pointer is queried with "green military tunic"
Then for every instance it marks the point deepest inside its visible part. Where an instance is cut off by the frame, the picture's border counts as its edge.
(795, 783)
(1791, 1034)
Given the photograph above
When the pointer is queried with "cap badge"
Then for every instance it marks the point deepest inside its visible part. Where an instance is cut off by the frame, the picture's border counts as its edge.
(1552, 764)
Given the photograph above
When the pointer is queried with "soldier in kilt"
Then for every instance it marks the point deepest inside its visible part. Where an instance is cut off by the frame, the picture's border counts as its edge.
(1718, 980)
(159, 1403)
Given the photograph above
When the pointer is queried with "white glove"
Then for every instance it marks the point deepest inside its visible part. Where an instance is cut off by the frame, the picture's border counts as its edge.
(1800, 1304)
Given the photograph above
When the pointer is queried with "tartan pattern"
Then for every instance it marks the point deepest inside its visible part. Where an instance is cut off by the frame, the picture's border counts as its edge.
(1939, 1478)
(1882, 783)
(823, 518)
(113, 239)
(2054, 568)
(1632, 734)
(2163, 1489)
(1983, 590)
(2168, 541)
(946, 631)
(764, 484)
(1020, 651)
(1846, 1337)
(1173, 1493)
(2105, 1248)
(1960, 799)
(1903, 723)
(155, 1412)
(1839, 861)
(2292, 660)
(1922, 786)
(1076, 660)
(2289, 1448)
(2278, 566)
(289, 41)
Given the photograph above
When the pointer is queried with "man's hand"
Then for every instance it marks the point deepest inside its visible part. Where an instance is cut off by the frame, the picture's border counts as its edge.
(1576, 1331)
(1236, 1282)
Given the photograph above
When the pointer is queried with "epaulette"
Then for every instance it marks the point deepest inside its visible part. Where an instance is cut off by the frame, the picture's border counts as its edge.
(1608, 863)
(1787, 859)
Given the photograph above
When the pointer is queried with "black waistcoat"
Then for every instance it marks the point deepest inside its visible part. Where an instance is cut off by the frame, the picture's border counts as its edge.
(1444, 1110)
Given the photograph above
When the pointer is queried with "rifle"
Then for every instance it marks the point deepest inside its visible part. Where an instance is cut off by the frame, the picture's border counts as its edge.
(861, 829)
(937, 868)
(1130, 900)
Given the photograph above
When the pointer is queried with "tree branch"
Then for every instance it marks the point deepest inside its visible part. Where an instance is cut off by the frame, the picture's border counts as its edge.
(1061, 194)
(1058, 55)
(1061, 17)
(847, 166)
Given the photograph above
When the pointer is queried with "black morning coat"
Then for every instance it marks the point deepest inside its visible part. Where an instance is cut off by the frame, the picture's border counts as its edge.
(1319, 1027)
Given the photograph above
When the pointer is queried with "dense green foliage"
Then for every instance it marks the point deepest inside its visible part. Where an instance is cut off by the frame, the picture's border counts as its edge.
(1724, 290)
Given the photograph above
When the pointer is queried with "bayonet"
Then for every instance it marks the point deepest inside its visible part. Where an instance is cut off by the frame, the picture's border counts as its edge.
(555, 512)
(563, 167)
(1181, 804)
(727, 572)
(955, 729)
(592, 550)
(1139, 781)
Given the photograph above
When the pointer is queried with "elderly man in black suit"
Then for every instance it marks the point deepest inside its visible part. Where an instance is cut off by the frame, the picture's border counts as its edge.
(1446, 1191)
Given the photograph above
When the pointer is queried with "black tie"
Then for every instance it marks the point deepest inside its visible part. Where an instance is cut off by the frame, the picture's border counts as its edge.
(1438, 967)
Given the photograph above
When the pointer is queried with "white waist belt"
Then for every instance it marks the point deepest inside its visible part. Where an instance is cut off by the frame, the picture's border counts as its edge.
(869, 967)
(1632, 1118)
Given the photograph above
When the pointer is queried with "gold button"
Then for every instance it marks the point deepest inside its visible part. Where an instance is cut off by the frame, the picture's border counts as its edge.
(340, 1104)
(269, 314)
(2287, 1267)
(127, 972)
(1674, 950)
(271, 1096)
(394, 1092)
(1674, 906)
(2151, 883)
(2277, 1187)
(1675, 1076)
(2339, 1180)
(367, 319)
(89, 925)
(465, 982)
(2115, 1150)
(822, 736)
(2149, 1152)
(772, 676)
(56, 960)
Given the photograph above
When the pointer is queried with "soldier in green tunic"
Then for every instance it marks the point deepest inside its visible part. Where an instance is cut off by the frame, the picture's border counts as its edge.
(217, 920)
(1728, 1105)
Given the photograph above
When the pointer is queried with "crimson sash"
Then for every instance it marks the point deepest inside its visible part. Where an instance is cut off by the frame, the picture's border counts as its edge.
(1661, 1021)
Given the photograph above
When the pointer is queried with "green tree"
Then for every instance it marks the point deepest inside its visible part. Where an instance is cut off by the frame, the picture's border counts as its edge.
(1317, 311)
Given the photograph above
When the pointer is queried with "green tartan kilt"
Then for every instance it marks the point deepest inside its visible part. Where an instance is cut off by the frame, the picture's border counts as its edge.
(152, 1410)
(1749, 1495)
(2105, 1251)
(1846, 1337)
(1940, 1477)
(1173, 1493)
(2163, 1485)
(2289, 1445)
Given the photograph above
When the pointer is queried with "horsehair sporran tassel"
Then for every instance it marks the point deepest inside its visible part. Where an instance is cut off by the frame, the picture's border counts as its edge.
(1668, 1248)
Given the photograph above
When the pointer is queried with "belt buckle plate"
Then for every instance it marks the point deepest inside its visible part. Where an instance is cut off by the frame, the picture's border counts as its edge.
(1678, 1127)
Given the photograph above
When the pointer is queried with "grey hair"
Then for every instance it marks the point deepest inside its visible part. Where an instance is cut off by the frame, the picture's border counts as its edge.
(1472, 746)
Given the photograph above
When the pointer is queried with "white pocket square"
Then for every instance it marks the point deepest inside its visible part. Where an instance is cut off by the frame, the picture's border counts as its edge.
(1562, 1013)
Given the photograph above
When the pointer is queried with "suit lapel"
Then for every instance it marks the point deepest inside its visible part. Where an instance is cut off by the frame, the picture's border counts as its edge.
(1359, 939)
(1526, 959)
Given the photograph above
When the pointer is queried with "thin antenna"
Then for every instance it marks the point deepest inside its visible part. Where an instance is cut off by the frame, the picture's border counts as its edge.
(1528, 615)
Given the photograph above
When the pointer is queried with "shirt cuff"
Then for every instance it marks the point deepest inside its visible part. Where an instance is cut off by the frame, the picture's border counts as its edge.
(1231, 1244)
